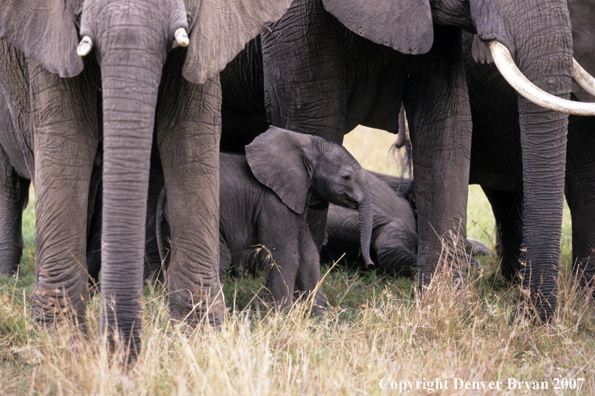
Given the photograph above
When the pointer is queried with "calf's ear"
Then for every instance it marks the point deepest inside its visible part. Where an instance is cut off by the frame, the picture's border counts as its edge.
(278, 160)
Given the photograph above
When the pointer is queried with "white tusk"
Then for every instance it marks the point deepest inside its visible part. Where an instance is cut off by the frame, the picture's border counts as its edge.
(530, 91)
(85, 46)
(582, 78)
(182, 37)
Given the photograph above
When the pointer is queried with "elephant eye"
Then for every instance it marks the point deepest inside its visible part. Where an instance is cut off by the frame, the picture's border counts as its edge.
(347, 177)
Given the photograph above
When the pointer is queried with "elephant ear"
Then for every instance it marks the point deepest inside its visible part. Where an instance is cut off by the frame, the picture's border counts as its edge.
(404, 25)
(219, 30)
(278, 159)
(45, 31)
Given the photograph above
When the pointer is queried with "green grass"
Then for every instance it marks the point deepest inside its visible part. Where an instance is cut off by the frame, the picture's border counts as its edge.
(376, 327)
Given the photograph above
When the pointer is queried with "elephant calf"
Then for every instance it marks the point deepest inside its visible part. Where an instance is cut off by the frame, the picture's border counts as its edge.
(394, 235)
(265, 197)
(394, 232)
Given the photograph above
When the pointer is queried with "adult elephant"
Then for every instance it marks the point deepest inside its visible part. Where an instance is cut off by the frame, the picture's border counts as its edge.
(56, 94)
(497, 156)
(331, 65)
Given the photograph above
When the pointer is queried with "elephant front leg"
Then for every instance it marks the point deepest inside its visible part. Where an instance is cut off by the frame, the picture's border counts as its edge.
(14, 191)
(65, 149)
(189, 150)
(439, 117)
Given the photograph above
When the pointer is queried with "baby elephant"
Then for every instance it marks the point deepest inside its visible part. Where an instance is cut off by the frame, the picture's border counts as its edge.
(394, 232)
(265, 197)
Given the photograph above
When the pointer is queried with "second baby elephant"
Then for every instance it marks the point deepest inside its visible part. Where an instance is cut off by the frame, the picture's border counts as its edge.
(265, 197)
(394, 232)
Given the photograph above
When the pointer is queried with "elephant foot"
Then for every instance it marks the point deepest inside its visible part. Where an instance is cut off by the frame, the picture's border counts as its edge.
(315, 303)
(527, 313)
(584, 272)
(9, 262)
(55, 305)
(454, 261)
(203, 308)
(9, 269)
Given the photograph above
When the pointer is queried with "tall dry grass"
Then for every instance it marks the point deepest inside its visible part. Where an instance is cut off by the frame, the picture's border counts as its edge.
(375, 328)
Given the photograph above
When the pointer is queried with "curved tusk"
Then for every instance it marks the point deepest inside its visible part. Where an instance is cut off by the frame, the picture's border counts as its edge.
(583, 78)
(182, 37)
(85, 46)
(530, 91)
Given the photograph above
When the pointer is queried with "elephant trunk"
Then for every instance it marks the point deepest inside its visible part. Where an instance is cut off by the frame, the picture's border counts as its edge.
(364, 210)
(543, 142)
(130, 83)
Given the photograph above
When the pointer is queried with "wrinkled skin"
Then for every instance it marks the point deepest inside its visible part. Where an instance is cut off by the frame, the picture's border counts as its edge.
(265, 197)
(137, 75)
(394, 235)
(15, 175)
(320, 77)
(497, 157)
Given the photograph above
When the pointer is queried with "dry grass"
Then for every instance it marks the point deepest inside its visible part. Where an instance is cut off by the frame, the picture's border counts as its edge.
(375, 327)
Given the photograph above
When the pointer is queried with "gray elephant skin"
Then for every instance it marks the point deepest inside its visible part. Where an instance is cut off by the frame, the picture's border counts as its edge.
(497, 158)
(394, 235)
(130, 91)
(331, 65)
(393, 248)
(265, 197)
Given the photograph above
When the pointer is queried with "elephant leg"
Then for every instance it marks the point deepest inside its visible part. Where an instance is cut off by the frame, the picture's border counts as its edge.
(508, 212)
(439, 116)
(308, 276)
(66, 143)
(94, 220)
(188, 134)
(14, 192)
(580, 195)
(153, 265)
(281, 233)
(316, 219)
(321, 105)
(224, 258)
(94, 238)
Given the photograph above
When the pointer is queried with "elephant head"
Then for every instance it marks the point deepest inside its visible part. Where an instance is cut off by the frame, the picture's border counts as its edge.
(130, 41)
(304, 170)
(536, 36)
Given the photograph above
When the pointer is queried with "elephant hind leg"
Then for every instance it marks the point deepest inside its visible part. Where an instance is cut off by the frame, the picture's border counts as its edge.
(507, 209)
(14, 193)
